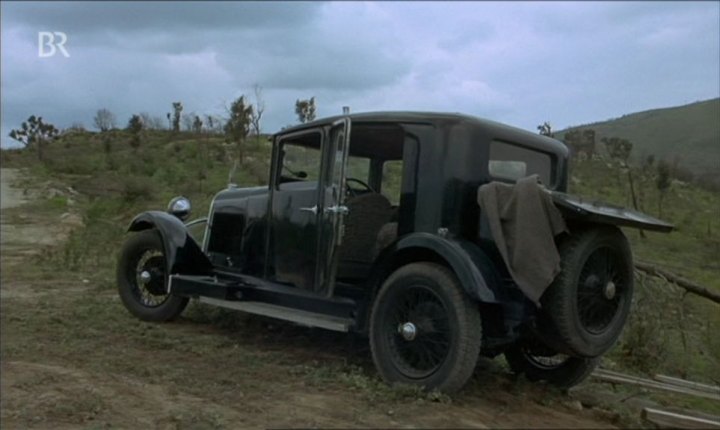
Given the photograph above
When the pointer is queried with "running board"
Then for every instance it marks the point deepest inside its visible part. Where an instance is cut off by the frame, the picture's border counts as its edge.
(287, 314)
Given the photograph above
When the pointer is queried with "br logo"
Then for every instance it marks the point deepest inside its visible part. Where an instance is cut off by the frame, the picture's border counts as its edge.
(49, 43)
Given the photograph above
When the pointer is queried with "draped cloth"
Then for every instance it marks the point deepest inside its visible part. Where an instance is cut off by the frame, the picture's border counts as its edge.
(523, 222)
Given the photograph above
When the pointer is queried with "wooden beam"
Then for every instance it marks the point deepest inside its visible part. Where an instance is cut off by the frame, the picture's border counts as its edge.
(619, 378)
(667, 419)
(678, 280)
(689, 384)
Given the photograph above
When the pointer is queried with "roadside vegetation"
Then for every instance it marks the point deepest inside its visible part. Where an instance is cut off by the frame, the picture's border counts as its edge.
(107, 177)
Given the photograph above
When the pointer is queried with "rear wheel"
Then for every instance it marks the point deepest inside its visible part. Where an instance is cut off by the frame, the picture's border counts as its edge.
(560, 370)
(424, 330)
(142, 279)
(588, 303)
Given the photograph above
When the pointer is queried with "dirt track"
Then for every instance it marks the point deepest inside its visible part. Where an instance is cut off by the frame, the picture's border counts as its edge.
(73, 358)
(11, 197)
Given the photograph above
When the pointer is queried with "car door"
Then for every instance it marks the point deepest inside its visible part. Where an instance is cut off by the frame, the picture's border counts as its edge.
(307, 213)
(334, 210)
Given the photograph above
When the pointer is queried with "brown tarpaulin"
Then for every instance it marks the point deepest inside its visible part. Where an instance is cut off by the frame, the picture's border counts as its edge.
(523, 222)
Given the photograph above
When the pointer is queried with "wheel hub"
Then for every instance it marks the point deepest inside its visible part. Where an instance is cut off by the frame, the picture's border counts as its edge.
(408, 331)
(610, 290)
(145, 276)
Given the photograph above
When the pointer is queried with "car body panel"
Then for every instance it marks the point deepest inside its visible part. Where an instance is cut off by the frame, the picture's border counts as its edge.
(466, 259)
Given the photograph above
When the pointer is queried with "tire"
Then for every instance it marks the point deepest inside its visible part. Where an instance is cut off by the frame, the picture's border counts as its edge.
(147, 300)
(559, 370)
(586, 306)
(424, 329)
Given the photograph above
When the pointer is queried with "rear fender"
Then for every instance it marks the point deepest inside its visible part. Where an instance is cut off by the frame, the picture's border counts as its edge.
(575, 208)
(469, 263)
(182, 253)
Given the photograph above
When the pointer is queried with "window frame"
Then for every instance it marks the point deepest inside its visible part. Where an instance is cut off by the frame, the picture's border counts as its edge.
(279, 156)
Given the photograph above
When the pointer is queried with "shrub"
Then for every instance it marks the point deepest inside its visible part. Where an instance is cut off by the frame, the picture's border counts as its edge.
(137, 188)
(644, 344)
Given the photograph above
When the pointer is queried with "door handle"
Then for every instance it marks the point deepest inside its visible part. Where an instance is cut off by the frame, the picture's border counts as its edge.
(313, 210)
(338, 209)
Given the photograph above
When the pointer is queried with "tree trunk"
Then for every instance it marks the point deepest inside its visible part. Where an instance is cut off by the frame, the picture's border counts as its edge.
(634, 198)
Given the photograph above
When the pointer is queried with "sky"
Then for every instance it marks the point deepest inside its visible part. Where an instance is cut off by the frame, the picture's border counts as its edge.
(520, 63)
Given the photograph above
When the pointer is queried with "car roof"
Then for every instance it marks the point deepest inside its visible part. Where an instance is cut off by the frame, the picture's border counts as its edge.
(510, 132)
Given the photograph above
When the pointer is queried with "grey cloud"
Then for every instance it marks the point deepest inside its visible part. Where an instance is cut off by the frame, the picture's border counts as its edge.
(517, 62)
(95, 16)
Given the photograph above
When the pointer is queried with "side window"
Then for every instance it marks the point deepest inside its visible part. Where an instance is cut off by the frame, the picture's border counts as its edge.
(299, 162)
(358, 167)
(512, 162)
(392, 180)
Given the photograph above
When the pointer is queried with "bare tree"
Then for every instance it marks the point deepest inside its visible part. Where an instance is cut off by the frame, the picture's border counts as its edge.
(663, 182)
(151, 122)
(177, 112)
(620, 149)
(258, 110)
(35, 133)
(104, 120)
(187, 121)
(545, 129)
(197, 124)
(214, 123)
(157, 123)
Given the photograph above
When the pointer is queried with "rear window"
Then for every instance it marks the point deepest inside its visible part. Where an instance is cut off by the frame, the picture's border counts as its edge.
(511, 162)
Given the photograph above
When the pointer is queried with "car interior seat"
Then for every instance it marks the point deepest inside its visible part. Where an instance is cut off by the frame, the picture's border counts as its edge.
(368, 213)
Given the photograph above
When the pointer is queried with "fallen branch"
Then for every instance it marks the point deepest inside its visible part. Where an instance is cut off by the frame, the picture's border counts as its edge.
(681, 282)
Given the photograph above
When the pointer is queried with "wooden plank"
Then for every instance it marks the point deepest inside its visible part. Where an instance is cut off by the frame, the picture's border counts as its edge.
(689, 384)
(667, 419)
(615, 377)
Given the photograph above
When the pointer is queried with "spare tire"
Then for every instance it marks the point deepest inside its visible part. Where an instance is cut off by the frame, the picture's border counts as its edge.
(586, 306)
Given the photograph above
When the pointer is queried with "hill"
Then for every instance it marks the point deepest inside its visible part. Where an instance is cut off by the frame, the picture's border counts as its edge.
(690, 132)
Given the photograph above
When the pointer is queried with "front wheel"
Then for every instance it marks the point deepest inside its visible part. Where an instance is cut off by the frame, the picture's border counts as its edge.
(560, 370)
(424, 329)
(142, 279)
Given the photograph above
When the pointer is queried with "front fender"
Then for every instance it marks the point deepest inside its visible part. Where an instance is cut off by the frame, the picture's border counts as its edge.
(470, 264)
(182, 253)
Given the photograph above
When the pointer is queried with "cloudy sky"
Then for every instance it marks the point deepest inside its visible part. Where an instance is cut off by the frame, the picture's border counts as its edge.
(520, 63)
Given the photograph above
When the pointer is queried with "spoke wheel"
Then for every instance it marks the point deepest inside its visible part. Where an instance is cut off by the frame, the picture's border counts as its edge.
(557, 369)
(586, 306)
(418, 331)
(424, 329)
(142, 279)
(150, 278)
(601, 290)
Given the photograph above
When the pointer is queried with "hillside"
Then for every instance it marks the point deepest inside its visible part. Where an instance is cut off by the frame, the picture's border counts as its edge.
(691, 132)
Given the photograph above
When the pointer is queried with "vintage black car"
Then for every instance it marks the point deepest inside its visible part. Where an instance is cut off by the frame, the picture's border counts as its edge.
(372, 223)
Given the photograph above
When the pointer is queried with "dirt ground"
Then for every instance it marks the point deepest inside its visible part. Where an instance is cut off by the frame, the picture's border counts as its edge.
(73, 358)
